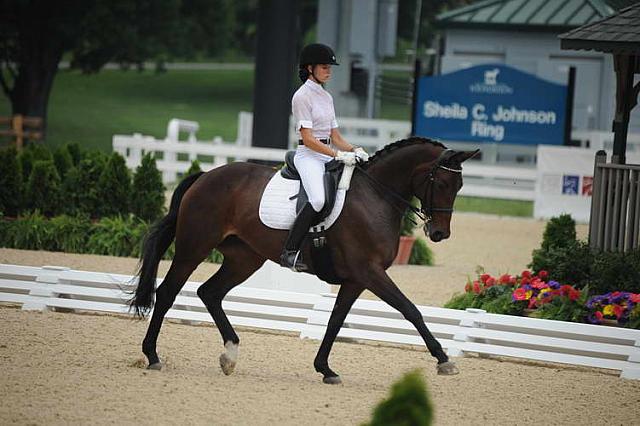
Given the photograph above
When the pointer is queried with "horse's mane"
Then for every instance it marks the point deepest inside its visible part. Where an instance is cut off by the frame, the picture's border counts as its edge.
(392, 147)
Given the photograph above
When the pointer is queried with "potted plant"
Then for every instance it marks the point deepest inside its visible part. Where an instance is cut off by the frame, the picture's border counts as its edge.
(406, 238)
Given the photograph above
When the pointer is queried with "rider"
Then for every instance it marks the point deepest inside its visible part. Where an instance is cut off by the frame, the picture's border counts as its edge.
(320, 142)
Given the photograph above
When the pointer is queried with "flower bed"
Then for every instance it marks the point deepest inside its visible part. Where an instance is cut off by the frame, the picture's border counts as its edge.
(537, 296)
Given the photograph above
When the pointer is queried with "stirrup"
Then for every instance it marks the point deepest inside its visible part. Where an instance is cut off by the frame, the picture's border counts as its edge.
(292, 259)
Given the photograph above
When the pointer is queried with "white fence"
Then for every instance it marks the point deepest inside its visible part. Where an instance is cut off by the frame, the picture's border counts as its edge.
(174, 157)
(459, 332)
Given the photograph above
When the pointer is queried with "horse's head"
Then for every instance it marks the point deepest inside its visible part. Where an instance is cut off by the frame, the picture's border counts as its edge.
(436, 184)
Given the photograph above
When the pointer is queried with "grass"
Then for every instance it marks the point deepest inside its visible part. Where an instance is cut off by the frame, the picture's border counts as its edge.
(90, 109)
(494, 206)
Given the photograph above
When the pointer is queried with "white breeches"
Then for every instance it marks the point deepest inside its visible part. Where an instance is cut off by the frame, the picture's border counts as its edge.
(310, 165)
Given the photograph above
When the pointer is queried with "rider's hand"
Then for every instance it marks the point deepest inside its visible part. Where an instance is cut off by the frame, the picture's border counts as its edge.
(348, 158)
(361, 154)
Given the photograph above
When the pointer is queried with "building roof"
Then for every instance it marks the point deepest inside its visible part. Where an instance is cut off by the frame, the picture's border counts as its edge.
(619, 33)
(538, 15)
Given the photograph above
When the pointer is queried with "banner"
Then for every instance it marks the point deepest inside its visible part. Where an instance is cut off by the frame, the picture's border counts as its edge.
(564, 181)
(491, 103)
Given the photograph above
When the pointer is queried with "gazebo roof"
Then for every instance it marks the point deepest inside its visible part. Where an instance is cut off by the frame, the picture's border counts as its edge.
(539, 15)
(619, 33)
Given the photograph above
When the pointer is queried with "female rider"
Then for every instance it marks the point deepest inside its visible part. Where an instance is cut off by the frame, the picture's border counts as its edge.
(320, 142)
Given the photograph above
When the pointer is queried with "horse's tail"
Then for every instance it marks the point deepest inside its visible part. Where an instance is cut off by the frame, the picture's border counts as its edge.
(156, 243)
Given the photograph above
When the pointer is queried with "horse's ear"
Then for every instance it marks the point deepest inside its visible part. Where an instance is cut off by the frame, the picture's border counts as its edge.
(463, 156)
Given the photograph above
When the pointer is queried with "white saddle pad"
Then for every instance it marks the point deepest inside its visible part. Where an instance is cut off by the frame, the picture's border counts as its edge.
(277, 211)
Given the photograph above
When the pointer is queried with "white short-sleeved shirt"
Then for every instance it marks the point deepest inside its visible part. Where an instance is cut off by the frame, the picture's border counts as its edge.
(312, 108)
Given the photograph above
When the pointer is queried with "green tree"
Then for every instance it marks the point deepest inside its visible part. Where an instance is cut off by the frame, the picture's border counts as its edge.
(147, 195)
(114, 187)
(408, 404)
(63, 161)
(80, 187)
(43, 188)
(193, 169)
(10, 182)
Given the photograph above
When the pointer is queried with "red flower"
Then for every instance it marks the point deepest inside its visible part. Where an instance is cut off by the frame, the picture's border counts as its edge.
(532, 303)
(599, 315)
(476, 287)
(618, 310)
(504, 279)
(525, 280)
(467, 288)
(513, 280)
(574, 294)
(520, 294)
(543, 275)
(490, 282)
(635, 298)
(484, 278)
(526, 274)
(566, 289)
(536, 283)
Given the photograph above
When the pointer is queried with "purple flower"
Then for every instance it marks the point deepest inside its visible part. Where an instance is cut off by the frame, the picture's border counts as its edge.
(554, 284)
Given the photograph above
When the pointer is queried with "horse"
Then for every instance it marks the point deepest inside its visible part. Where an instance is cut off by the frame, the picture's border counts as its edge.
(219, 209)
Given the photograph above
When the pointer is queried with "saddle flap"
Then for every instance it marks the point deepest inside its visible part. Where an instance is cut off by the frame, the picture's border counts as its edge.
(289, 170)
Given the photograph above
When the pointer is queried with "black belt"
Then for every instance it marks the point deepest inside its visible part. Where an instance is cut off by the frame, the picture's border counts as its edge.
(324, 141)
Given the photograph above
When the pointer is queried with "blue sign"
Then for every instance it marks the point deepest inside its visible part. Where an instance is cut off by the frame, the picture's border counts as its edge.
(491, 103)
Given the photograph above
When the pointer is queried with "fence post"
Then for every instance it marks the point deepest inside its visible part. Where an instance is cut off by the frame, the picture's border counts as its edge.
(48, 276)
(596, 199)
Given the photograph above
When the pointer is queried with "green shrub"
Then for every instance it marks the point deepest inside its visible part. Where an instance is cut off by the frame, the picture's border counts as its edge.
(421, 254)
(462, 301)
(408, 404)
(11, 183)
(29, 232)
(147, 195)
(570, 264)
(63, 161)
(70, 233)
(615, 271)
(409, 220)
(116, 236)
(75, 151)
(30, 154)
(193, 169)
(560, 231)
(498, 300)
(564, 309)
(80, 188)
(114, 187)
(43, 188)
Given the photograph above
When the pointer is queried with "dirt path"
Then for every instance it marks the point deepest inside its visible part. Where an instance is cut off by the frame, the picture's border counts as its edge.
(60, 368)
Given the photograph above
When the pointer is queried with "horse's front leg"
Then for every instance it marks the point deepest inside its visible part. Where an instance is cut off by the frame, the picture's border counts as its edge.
(383, 287)
(348, 293)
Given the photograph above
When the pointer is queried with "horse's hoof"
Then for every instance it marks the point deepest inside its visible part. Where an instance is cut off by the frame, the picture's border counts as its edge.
(332, 380)
(447, 369)
(227, 364)
(155, 366)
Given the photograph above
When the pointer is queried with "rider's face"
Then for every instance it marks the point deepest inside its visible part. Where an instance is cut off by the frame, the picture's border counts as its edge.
(322, 72)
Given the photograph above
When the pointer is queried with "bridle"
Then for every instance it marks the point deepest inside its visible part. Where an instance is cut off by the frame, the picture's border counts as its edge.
(425, 213)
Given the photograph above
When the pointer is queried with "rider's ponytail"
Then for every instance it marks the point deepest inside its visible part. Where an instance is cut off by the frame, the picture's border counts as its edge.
(304, 74)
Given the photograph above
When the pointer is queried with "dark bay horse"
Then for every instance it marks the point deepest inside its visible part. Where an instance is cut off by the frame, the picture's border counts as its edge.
(219, 209)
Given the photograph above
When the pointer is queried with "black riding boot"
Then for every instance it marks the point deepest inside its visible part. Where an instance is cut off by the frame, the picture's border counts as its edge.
(291, 256)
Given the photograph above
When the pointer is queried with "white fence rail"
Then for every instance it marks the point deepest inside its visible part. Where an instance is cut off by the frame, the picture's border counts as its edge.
(459, 332)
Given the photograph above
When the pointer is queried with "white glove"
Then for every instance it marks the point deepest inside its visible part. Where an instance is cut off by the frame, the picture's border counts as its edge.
(348, 158)
(361, 154)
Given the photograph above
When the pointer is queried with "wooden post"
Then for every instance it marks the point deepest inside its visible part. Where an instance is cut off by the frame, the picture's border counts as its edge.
(596, 200)
(18, 131)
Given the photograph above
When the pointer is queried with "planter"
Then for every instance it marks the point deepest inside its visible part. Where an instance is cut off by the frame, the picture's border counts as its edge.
(404, 250)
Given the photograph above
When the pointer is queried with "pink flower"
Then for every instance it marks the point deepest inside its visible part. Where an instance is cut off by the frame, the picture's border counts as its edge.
(532, 303)
(599, 315)
(520, 294)
(476, 287)
(618, 311)
(635, 298)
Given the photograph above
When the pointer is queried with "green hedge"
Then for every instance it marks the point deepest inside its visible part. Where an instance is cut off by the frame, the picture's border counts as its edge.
(112, 236)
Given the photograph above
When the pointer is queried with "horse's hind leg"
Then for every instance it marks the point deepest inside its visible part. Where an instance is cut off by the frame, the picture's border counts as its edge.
(166, 294)
(240, 262)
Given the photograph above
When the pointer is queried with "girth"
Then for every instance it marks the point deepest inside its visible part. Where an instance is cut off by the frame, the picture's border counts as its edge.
(332, 173)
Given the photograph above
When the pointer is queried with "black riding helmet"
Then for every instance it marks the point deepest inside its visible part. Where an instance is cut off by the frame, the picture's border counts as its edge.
(317, 53)
(314, 54)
